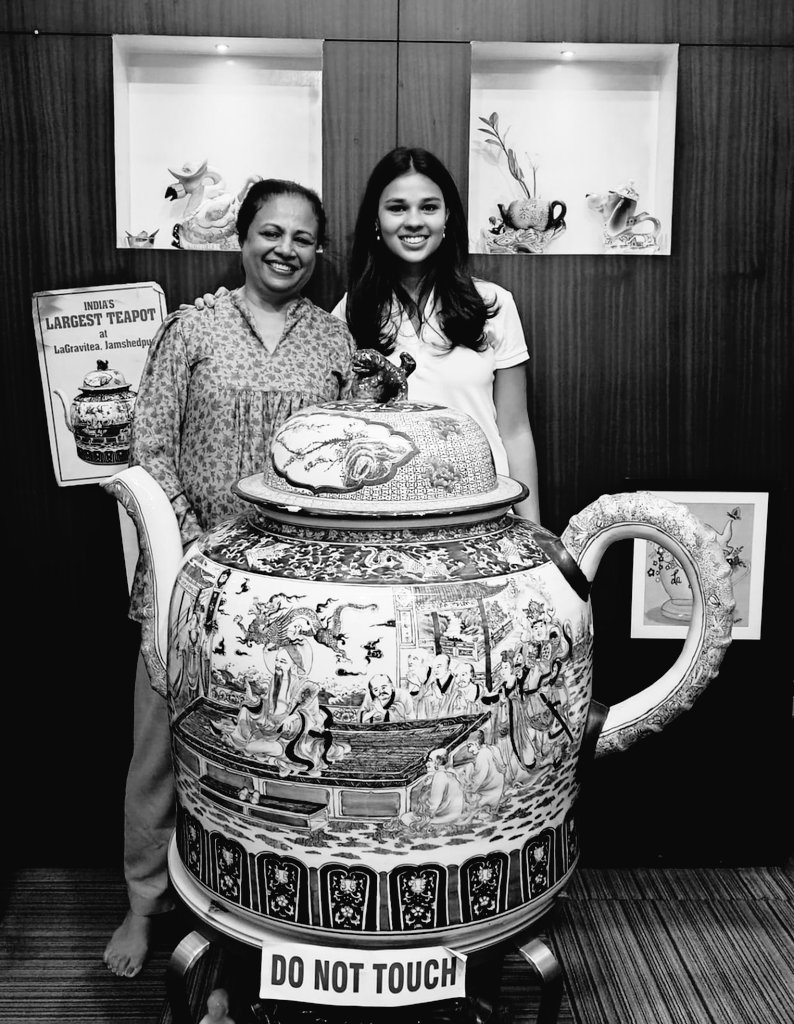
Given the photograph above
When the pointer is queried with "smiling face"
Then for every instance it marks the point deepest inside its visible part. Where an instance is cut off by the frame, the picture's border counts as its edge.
(412, 216)
(280, 249)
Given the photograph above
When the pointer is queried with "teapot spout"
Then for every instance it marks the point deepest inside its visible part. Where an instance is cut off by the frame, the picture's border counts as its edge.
(66, 405)
(160, 544)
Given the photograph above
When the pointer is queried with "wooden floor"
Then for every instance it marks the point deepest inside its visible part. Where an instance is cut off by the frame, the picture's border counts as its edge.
(667, 946)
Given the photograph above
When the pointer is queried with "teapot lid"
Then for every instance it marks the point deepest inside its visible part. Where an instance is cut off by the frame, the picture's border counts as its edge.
(627, 191)
(363, 458)
(103, 379)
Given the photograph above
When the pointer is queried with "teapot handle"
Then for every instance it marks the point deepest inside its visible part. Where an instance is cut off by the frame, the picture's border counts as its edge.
(647, 516)
(557, 219)
(638, 217)
(161, 552)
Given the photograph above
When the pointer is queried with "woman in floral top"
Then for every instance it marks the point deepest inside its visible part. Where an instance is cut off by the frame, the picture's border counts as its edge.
(216, 385)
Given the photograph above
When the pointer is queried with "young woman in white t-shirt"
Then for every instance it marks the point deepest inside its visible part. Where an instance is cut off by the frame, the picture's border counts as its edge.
(410, 291)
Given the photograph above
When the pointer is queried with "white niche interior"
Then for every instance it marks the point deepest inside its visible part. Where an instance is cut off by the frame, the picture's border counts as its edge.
(248, 107)
(582, 120)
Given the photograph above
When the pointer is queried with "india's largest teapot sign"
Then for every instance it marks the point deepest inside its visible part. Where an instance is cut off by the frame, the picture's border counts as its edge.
(379, 681)
(92, 345)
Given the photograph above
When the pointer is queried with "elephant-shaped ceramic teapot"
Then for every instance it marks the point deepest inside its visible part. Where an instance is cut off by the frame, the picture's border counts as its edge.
(379, 681)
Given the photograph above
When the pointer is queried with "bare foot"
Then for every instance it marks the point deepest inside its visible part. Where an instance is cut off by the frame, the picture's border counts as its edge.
(126, 952)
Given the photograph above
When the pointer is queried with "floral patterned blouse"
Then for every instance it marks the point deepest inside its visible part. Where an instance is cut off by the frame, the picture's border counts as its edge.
(212, 394)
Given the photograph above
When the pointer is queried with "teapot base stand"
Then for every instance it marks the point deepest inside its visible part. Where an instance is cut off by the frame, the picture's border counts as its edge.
(482, 1005)
(475, 1009)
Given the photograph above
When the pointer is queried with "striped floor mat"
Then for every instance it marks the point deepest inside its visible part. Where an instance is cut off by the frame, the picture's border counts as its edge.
(678, 946)
(662, 946)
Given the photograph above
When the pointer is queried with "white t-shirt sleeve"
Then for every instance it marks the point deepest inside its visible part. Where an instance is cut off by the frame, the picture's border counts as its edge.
(504, 331)
(340, 309)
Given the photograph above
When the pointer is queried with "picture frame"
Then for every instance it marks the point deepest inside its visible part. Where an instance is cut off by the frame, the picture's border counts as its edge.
(661, 596)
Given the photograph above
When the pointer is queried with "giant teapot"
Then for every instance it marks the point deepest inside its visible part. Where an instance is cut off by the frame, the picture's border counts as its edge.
(379, 680)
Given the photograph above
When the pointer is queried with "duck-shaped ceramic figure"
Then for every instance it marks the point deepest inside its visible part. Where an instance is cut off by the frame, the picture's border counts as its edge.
(193, 179)
(210, 216)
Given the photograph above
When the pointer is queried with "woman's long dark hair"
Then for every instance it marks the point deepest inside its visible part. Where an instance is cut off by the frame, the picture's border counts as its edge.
(375, 274)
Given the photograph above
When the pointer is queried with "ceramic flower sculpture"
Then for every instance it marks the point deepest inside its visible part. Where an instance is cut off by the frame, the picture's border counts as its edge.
(527, 224)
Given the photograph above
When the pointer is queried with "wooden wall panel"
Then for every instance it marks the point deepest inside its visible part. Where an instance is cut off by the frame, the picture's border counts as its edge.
(673, 372)
(434, 101)
(596, 21)
(359, 126)
(310, 19)
(68, 745)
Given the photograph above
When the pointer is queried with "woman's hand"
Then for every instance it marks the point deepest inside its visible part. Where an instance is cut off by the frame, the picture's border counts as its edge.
(207, 300)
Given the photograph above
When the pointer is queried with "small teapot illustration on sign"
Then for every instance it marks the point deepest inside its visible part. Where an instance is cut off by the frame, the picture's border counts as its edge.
(100, 417)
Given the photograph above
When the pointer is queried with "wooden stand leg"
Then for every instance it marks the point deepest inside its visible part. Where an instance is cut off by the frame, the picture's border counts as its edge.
(186, 955)
(541, 959)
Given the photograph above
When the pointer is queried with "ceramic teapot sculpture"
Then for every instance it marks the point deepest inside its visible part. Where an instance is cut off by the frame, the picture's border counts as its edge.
(625, 230)
(100, 417)
(142, 240)
(541, 214)
(379, 680)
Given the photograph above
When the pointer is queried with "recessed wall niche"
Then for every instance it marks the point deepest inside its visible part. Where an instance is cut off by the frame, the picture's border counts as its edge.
(196, 119)
(571, 148)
